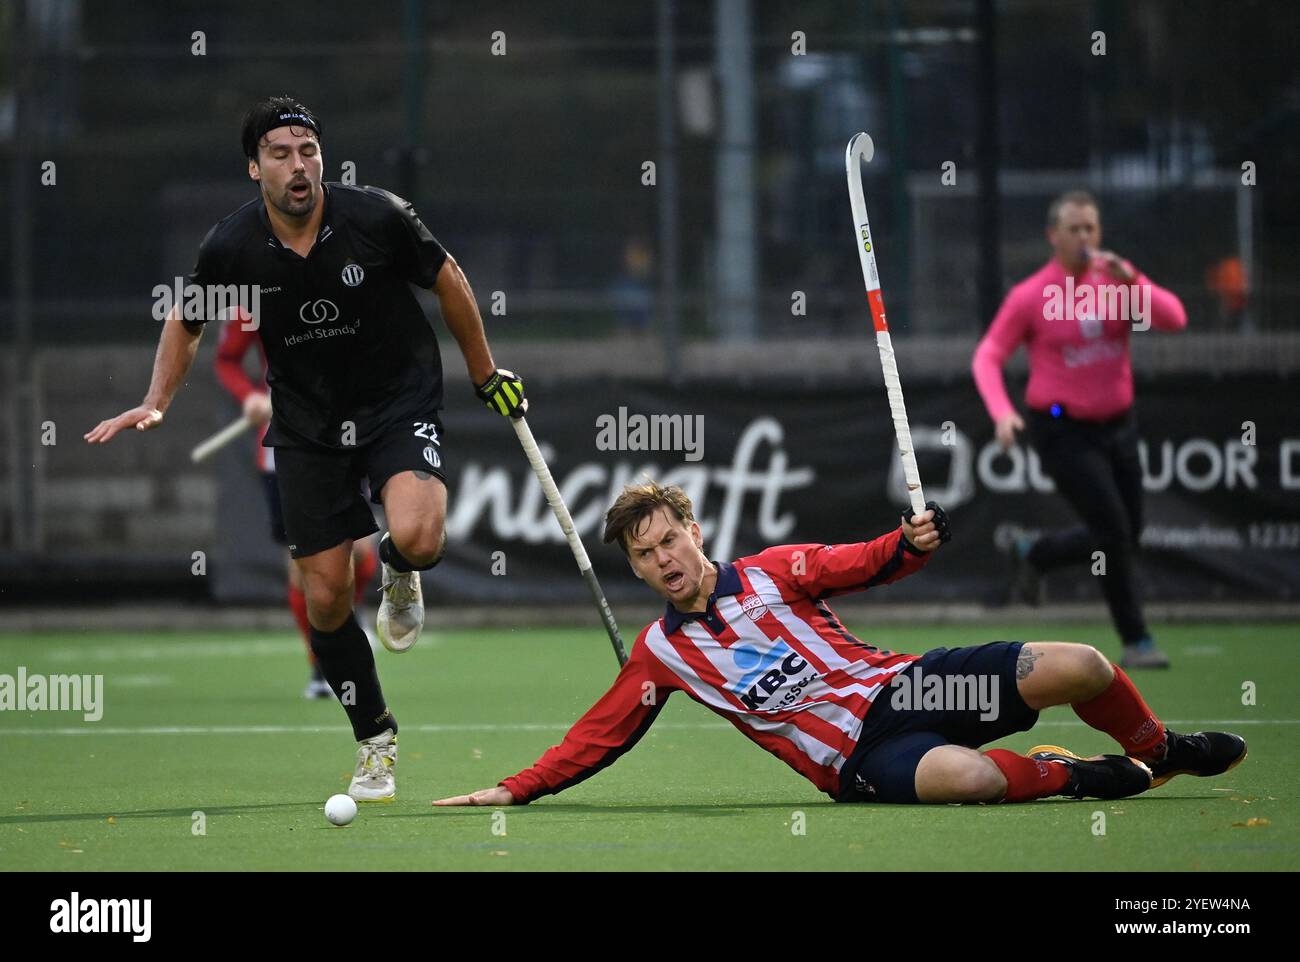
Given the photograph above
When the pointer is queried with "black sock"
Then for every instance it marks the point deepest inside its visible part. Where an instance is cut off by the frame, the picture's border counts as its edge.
(389, 554)
(348, 664)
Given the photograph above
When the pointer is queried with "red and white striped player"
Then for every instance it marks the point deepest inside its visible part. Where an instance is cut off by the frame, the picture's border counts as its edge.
(755, 642)
(237, 337)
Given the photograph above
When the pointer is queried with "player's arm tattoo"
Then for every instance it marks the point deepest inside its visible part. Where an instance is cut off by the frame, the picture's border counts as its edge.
(422, 475)
(1025, 663)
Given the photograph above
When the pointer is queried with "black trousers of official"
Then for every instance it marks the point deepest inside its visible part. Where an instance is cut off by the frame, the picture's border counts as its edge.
(1095, 467)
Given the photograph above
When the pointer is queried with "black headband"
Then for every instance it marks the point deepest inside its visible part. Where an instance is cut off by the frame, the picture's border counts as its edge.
(287, 118)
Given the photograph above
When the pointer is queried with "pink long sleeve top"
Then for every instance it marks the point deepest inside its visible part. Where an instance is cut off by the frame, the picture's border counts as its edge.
(1076, 329)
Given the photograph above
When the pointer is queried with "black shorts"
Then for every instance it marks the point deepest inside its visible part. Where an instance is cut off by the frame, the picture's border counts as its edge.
(321, 495)
(895, 737)
(272, 491)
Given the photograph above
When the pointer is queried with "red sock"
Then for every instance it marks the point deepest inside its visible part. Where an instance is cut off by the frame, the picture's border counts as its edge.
(365, 567)
(1120, 712)
(298, 605)
(1028, 778)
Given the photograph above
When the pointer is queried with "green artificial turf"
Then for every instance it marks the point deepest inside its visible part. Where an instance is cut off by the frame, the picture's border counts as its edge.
(214, 723)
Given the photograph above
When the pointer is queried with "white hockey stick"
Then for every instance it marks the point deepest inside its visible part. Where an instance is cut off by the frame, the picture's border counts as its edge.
(861, 149)
(205, 449)
(571, 534)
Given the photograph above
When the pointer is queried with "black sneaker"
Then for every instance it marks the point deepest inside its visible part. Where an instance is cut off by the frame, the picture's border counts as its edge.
(1143, 654)
(1107, 776)
(1026, 581)
(1202, 754)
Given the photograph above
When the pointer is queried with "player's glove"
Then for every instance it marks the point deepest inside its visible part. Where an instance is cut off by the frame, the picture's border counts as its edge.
(503, 393)
(940, 520)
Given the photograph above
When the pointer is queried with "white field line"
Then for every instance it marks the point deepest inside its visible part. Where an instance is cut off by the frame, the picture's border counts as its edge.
(142, 681)
(489, 727)
(258, 647)
(186, 650)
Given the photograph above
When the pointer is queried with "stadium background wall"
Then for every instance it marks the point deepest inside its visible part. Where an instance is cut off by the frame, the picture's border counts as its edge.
(782, 461)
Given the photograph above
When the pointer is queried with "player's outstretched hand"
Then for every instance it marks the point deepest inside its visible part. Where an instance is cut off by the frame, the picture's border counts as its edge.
(503, 393)
(925, 532)
(141, 418)
(495, 797)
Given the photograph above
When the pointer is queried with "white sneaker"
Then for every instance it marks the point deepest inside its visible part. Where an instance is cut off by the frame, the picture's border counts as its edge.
(401, 613)
(318, 688)
(374, 780)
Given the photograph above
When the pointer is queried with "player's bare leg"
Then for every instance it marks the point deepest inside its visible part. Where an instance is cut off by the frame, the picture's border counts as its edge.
(1061, 673)
(951, 773)
(415, 503)
(348, 664)
(327, 583)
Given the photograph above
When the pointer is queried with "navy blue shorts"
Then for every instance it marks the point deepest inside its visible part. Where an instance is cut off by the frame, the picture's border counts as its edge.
(974, 701)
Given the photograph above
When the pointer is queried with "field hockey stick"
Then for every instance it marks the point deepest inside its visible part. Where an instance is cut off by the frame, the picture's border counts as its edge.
(861, 149)
(562, 515)
(205, 449)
